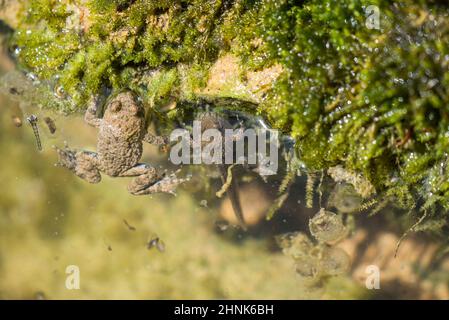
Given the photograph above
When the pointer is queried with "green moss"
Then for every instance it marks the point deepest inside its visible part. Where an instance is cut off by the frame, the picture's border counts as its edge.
(374, 101)
(88, 45)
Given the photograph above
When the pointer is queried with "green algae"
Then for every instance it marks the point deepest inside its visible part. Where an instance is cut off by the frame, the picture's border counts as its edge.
(372, 101)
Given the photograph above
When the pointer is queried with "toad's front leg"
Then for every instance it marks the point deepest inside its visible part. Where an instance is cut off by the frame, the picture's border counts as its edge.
(148, 181)
(83, 163)
(91, 117)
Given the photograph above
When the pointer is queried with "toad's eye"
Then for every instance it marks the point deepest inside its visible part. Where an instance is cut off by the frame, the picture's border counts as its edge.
(116, 106)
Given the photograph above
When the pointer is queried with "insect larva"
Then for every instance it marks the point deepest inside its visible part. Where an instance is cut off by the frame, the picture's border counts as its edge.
(32, 120)
(130, 227)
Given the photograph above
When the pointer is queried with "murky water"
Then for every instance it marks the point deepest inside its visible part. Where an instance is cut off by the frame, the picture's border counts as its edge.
(157, 246)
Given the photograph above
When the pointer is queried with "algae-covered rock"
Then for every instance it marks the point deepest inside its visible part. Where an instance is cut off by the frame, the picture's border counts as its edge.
(372, 101)
(162, 49)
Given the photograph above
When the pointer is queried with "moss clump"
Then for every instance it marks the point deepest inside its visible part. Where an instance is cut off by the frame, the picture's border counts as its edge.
(374, 102)
(87, 45)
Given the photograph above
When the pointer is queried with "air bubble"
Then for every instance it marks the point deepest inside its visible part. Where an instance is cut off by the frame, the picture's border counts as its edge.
(327, 226)
(334, 261)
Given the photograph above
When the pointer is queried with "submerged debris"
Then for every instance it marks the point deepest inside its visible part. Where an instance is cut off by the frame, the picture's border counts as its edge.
(227, 184)
(277, 204)
(51, 125)
(294, 244)
(311, 180)
(16, 121)
(360, 184)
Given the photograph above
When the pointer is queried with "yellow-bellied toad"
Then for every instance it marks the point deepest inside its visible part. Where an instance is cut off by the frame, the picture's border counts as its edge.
(119, 148)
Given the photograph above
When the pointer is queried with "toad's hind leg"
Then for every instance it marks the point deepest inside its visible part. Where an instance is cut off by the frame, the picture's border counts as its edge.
(148, 181)
(83, 163)
(144, 175)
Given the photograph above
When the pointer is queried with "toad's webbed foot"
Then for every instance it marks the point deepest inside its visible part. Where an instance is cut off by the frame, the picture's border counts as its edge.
(82, 163)
(154, 183)
(66, 158)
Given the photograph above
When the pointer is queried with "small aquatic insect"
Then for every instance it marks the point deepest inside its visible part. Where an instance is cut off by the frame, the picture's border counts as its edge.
(17, 121)
(14, 91)
(157, 243)
(130, 227)
(32, 120)
(50, 124)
